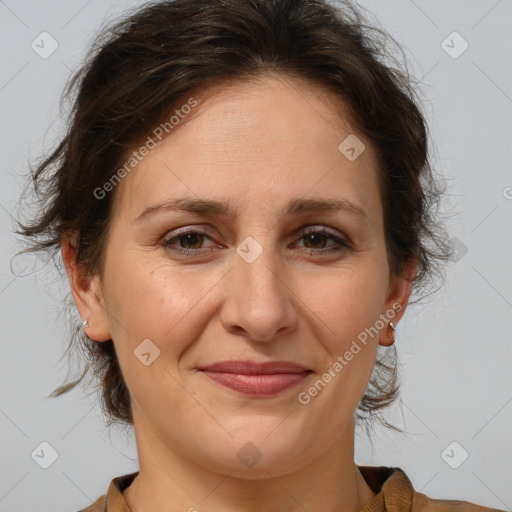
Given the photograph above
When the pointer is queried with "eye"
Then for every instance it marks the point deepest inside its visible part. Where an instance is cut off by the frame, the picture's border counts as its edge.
(191, 242)
(188, 242)
(315, 240)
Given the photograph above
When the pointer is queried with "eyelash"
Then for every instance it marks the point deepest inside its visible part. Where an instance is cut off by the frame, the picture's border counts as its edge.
(169, 240)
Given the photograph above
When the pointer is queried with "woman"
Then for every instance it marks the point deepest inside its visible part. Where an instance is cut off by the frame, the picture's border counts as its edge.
(243, 204)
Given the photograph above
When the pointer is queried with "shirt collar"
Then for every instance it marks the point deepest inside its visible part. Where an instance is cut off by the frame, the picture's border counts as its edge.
(394, 491)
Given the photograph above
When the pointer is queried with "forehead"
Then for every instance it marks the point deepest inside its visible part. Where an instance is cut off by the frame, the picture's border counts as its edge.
(264, 109)
(272, 132)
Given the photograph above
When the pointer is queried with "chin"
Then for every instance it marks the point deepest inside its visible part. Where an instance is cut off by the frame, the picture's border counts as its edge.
(257, 455)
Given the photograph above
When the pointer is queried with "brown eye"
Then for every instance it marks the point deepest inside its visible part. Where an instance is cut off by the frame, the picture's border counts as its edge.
(187, 242)
(317, 240)
(191, 240)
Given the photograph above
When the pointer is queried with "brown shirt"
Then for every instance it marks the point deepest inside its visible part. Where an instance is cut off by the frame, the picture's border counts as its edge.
(395, 493)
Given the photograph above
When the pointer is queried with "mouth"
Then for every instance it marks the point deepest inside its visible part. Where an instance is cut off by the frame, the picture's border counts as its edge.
(257, 379)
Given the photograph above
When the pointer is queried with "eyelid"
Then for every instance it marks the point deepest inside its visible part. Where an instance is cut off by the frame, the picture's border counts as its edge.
(186, 230)
(311, 228)
(326, 230)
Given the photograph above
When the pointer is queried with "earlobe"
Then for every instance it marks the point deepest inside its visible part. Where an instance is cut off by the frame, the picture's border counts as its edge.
(397, 298)
(86, 291)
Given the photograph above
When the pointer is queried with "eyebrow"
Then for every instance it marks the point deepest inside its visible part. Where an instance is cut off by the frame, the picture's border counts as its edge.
(221, 208)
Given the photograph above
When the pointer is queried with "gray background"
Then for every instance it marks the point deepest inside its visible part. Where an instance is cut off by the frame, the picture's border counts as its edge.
(455, 352)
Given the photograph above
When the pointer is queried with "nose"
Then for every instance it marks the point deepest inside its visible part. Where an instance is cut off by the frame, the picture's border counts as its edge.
(260, 303)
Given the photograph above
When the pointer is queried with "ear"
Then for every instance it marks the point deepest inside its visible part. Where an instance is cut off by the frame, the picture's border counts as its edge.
(86, 292)
(399, 290)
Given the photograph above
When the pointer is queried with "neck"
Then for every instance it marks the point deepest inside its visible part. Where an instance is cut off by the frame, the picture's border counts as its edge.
(169, 480)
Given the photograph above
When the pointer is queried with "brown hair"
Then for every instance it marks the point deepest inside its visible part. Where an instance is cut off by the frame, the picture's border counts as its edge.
(139, 70)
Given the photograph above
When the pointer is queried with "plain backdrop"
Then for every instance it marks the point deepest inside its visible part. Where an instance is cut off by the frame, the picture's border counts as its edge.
(455, 352)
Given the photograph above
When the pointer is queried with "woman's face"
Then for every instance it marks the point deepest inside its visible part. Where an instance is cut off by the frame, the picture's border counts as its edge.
(251, 166)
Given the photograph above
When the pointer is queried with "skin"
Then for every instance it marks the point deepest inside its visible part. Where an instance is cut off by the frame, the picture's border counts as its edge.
(256, 145)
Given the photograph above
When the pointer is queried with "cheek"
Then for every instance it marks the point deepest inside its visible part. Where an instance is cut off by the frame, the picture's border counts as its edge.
(346, 301)
(345, 311)
(161, 303)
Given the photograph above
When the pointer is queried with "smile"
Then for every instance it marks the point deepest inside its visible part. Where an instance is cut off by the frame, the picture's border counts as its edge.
(257, 378)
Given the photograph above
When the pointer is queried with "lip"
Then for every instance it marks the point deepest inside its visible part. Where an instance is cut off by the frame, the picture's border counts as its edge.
(257, 379)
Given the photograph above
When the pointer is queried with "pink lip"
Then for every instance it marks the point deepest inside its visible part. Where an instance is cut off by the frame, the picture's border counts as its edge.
(259, 379)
